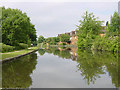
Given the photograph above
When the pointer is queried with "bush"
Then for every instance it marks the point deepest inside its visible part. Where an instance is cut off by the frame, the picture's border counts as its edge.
(21, 46)
(106, 44)
(62, 43)
(6, 48)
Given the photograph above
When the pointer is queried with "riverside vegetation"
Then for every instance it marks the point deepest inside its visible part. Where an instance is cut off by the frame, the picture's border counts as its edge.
(17, 30)
(90, 28)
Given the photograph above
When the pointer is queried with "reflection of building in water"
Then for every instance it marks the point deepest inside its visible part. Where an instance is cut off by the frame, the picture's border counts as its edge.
(73, 53)
(47, 45)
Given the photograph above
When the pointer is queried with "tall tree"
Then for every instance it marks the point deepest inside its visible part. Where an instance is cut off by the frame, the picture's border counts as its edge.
(90, 23)
(16, 27)
(114, 22)
(89, 27)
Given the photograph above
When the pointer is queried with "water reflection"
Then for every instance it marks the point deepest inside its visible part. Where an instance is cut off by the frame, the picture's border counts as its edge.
(91, 64)
(16, 74)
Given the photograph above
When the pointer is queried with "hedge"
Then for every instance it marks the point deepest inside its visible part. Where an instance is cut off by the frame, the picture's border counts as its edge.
(6, 48)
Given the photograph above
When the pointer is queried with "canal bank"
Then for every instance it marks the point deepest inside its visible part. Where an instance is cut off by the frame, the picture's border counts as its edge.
(17, 54)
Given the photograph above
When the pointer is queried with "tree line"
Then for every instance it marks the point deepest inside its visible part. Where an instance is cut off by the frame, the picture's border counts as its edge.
(64, 38)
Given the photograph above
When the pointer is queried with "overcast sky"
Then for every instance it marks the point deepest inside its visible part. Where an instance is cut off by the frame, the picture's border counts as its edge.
(53, 18)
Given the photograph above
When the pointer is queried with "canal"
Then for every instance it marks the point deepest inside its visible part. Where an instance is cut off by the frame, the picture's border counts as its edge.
(62, 68)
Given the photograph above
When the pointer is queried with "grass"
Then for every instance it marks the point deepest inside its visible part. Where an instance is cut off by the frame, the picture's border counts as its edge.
(16, 53)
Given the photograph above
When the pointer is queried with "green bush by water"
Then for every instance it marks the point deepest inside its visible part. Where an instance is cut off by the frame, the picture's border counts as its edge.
(6, 48)
(21, 46)
(106, 44)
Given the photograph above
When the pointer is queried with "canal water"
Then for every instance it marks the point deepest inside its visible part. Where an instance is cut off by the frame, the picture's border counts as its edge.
(62, 68)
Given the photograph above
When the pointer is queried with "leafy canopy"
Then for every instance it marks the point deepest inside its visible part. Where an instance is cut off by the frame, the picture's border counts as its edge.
(64, 38)
(41, 39)
(88, 29)
(16, 27)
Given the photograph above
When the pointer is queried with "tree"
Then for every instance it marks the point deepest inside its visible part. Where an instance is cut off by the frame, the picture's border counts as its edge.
(16, 27)
(88, 29)
(114, 22)
(52, 40)
(64, 38)
(41, 39)
(55, 40)
(90, 23)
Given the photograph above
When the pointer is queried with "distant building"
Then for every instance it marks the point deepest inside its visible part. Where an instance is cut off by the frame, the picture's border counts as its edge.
(103, 31)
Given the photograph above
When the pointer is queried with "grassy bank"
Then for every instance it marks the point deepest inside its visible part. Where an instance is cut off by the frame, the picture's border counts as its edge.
(16, 53)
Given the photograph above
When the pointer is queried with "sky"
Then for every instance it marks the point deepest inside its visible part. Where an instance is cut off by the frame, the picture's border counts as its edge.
(56, 17)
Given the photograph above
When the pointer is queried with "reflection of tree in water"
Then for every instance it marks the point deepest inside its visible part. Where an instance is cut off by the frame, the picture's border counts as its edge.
(41, 52)
(16, 74)
(63, 54)
(91, 65)
(112, 67)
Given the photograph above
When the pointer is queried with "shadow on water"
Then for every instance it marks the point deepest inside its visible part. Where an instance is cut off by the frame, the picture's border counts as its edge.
(91, 64)
(16, 74)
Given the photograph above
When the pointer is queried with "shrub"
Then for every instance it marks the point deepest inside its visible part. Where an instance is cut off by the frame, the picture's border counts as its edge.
(21, 46)
(6, 48)
(106, 44)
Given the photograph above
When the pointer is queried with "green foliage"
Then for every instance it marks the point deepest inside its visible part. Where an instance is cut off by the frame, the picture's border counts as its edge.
(19, 71)
(6, 48)
(114, 23)
(62, 43)
(21, 46)
(16, 27)
(56, 40)
(111, 40)
(41, 52)
(106, 44)
(85, 41)
(88, 29)
(64, 38)
(41, 39)
(53, 40)
(93, 64)
(49, 39)
(34, 43)
(90, 23)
